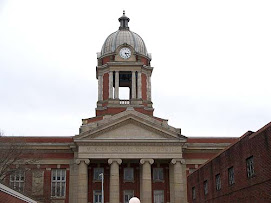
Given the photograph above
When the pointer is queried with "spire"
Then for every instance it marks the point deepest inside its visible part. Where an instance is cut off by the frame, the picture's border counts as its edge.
(124, 22)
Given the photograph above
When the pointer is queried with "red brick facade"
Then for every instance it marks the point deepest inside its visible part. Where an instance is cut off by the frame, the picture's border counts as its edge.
(256, 188)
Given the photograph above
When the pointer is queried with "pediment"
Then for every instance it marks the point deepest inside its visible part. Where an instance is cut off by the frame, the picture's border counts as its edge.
(130, 126)
(129, 129)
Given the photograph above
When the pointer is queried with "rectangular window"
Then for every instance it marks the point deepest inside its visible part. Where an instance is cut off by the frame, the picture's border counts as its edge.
(58, 182)
(96, 174)
(250, 167)
(128, 174)
(158, 174)
(218, 182)
(127, 195)
(231, 175)
(205, 186)
(17, 181)
(97, 196)
(158, 196)
(193, 193)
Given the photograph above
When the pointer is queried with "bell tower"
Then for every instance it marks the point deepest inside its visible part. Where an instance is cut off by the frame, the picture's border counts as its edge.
(124, 63)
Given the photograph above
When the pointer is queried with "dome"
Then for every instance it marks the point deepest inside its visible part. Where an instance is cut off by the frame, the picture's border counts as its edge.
(122, 36)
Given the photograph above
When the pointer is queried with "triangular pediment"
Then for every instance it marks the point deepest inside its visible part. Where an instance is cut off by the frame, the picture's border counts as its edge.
(130, 125)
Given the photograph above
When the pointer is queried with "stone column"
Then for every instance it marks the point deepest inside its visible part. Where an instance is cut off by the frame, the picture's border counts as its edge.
(139, 86)
(114, 185)
(82, 195)
(146, 190)
(100, 88)
(110, 85)
(178, 186)
(116, 96)
(133, 85)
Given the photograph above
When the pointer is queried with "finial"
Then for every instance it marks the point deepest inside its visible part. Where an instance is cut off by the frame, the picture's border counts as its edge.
(124, 22)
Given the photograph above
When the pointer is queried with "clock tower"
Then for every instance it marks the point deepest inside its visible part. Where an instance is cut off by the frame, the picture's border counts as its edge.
(124, 63)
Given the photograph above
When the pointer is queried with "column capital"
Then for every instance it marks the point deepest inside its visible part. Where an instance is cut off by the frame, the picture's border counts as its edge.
(110, 161)
(142, 161)
(86, 161)
(174, 161)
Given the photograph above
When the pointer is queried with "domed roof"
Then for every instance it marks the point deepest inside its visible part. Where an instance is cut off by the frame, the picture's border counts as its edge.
(122, 36)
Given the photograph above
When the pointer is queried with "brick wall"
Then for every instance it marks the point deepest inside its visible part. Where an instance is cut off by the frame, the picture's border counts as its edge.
(254, 189)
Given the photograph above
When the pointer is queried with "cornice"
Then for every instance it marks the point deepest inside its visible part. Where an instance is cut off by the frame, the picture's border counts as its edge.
(125, 143)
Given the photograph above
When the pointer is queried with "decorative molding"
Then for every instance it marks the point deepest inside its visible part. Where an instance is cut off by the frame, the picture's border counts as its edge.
(142, 161)
(174, 161)
(86, 161)
(110, 161)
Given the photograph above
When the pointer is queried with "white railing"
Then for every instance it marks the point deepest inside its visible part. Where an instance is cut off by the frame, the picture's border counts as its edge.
(124, 102)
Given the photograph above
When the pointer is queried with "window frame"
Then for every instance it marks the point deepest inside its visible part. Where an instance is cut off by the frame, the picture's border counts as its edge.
(158, 174)
(231, 178)
(218, 182)
(250, 167)
(127, 170)
(129, 193)
(193, 193)
(98, 193)
(157, 193)
(19, 184)
(96, 174)
(205, 187)
(56, 182)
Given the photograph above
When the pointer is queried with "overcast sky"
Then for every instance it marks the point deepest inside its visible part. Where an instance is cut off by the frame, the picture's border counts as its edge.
(211, 60)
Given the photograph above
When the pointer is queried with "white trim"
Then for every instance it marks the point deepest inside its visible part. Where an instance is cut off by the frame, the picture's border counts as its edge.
(15, 194)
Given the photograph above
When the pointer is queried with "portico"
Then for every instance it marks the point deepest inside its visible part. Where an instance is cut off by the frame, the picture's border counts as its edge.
(150, 148)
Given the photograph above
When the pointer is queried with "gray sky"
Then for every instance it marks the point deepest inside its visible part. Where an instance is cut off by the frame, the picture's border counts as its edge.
(211, 60)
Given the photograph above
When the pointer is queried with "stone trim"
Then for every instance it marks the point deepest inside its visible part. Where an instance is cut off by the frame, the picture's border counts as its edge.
(110, 161)
(142, 161)
(78, 161)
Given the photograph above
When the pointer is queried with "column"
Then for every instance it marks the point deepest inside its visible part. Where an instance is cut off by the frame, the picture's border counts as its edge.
(178, 186)
(116, 96)
(82, 180)
(139, 86)
(146, 190)
(100, 88)
(133, 85)
(114, 187)
(110, 85)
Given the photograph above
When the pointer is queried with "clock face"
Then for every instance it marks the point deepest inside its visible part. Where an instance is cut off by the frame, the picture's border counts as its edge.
(125, 53)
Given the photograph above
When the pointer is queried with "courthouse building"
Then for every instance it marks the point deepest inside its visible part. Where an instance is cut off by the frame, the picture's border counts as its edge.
(124, 150)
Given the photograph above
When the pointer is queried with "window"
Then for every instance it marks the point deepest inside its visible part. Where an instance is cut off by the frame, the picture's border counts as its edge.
(127, 195)
(158, 196)
(158, 174)
(58, 181)
(128, 174)
(17, 181)
(193, 193)
(218, 182)
(205, 186)
(231, 175)
(96, 174)
(250, 167)
(97, 196)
